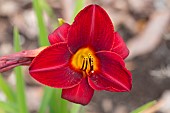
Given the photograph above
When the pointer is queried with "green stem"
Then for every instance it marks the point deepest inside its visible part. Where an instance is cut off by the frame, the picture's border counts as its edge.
(20, 85)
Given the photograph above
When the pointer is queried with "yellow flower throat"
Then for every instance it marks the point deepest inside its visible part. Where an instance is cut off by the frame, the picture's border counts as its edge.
(85, 61)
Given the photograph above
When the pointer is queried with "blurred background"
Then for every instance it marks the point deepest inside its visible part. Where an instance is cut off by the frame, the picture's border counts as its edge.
(145, 27)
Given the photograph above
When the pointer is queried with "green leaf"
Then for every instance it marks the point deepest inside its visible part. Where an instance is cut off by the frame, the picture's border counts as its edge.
(62, 104)
(144, 107)
(75, 108)
(17, 46)
(43, 40)
(7, 90)
(53, 102)
(79, 4)
(45, 99)
(8, 107)
(47, 8)
(20, 85)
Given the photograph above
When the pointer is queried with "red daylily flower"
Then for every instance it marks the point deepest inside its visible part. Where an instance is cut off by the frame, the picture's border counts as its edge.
(83, 57)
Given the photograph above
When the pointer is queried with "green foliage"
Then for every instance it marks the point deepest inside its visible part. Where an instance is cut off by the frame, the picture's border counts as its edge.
(8, 107)
(62, 105)
(144, 107)
(79, 4)
(45, 100)
(7, 90)
(20, 84)
(43, 40)
(75, 108)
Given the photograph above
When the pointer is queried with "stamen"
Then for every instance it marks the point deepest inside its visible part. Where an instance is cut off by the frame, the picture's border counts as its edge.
(91, 66)
(90, 59)
(91, 62)
(83, 63)
(86, 64)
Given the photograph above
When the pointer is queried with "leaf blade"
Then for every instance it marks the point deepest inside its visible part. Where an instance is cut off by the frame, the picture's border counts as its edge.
(20, 84)
(43, 40)
(7, 90)
(144, 107)
(8, 107)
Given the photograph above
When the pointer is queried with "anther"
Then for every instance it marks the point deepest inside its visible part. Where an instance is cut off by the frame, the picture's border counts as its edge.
(91, 62)
(90, 59)
(83, 63)
(91, 66)
(86, 64)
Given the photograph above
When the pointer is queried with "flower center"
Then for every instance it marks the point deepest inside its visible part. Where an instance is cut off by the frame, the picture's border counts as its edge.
(85, 61)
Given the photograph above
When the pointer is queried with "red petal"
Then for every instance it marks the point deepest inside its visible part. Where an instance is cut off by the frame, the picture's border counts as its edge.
(119, 46)
(92, 27)
(113, 76)
(102, 81)
(59, 35)
(51, 67)
(80, 94)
